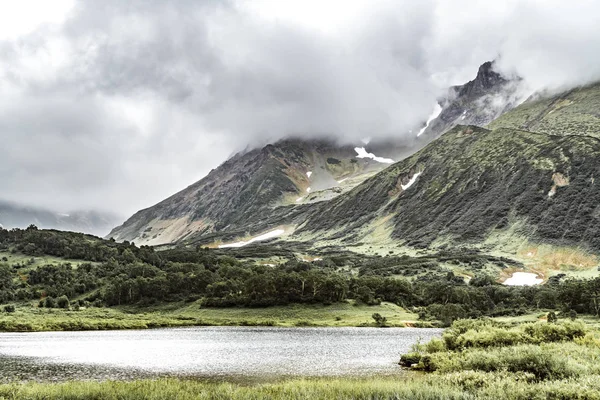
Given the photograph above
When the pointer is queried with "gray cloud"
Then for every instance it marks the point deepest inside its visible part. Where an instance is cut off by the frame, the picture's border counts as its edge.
(127, 102)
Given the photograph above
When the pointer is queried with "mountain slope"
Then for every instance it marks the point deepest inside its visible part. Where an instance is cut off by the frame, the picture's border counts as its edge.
(576, 112)
(473, 181)
(477, 102)
(248, 187)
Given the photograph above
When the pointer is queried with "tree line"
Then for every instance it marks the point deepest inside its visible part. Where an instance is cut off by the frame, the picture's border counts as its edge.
(114, 274)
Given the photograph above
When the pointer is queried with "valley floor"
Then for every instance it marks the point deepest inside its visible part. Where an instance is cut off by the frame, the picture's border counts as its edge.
(27, 318)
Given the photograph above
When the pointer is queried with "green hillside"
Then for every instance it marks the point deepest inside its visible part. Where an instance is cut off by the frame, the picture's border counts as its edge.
(121, 286)
(473, 182)
(576, 112)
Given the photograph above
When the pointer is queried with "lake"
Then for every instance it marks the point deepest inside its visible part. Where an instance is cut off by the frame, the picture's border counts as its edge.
(207, 352)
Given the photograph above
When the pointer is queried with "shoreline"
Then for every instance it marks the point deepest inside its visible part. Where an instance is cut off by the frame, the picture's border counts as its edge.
(32, 319)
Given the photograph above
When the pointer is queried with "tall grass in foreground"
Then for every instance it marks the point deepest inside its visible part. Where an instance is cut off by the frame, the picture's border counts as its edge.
(464, 385)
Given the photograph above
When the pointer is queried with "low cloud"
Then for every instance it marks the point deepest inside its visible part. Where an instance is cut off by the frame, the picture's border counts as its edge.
(120, 104)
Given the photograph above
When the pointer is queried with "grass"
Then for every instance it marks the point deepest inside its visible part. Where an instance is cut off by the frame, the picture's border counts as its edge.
(318, 389)
(25, 261)
(339, 314)
(531, 360)
(466, 385)
(31, 319)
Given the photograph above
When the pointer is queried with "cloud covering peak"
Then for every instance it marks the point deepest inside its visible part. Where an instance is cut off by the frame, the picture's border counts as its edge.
(114, 105)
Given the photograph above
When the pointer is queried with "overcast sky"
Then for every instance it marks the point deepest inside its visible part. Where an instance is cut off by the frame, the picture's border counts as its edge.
(114, 105)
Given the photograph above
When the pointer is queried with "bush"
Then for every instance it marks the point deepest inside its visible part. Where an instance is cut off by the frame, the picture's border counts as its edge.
(49, 302)
(380, 320)
(9, 308)
(410, 359)
(543, 363)
(466, 334)
(63, 302)
(573, 315)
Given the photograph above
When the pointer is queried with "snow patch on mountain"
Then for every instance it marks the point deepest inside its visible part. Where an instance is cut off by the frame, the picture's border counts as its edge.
(265, 236)
(362, 153)
(411, 181)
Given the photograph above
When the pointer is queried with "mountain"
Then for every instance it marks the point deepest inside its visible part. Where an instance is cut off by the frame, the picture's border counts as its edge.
(473, 184)
(527, 176)
(256, 188)
(92, 222)
(477, 102)
(249, 186)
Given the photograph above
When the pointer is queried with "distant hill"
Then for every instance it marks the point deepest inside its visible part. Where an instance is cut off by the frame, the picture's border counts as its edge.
(93, 222)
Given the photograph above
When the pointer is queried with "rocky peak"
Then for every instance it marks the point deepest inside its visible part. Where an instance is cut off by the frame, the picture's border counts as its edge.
(477, 102)
(485, 80)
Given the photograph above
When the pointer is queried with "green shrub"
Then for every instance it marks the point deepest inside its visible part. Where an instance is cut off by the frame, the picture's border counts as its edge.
(466, 334)
(380, 320)
(63, 302)
(9, 308)
(540, 362)
(435, 345)
(49, 302)
(410, 359)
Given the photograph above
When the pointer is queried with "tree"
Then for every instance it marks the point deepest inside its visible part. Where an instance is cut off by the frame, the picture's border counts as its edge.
(380, 320)
(49, 302)
(63, 302)
(573, 315)
(552, 318)
(9, 308)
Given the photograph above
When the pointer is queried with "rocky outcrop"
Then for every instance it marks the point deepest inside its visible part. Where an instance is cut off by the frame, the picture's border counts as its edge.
(477, 102)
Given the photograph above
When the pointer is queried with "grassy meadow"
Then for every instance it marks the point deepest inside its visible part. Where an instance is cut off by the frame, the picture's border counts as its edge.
(27, 318)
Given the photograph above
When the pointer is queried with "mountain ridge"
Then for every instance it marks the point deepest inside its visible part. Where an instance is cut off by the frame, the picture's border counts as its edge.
(289, 172)
(477, 102)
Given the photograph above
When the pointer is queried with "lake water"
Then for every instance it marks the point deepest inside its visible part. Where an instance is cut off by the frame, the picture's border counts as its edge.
(207, 352)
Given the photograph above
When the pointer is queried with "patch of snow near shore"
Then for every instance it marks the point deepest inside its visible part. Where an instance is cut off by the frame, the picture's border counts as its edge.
(309, 173)
(265, 236)
(343, 180)
(362, 153)
(299, 199)
(412, 180)
(523, 279)
(308, 190)
(437, 109)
